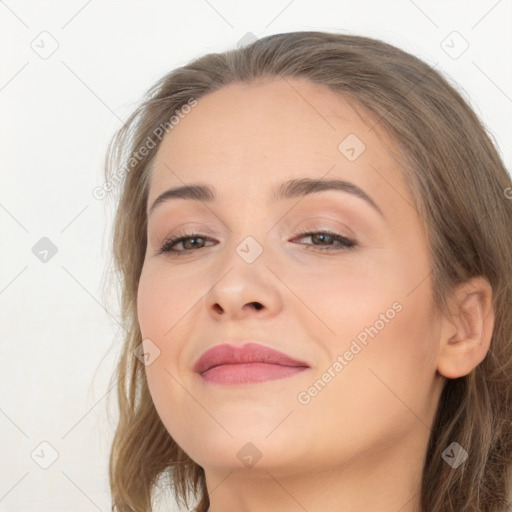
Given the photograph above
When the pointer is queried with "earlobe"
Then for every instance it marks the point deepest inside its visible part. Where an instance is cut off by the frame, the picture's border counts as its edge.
(465, 335)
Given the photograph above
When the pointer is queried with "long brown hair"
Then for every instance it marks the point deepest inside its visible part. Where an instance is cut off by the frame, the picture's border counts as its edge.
(462, 193)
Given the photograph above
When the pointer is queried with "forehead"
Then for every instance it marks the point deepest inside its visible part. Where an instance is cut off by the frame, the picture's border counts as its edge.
(251, 135)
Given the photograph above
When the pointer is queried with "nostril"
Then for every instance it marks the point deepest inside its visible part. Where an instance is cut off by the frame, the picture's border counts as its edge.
(257, 305)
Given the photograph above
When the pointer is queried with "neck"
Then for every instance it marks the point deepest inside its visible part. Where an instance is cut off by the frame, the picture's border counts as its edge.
(379, 482)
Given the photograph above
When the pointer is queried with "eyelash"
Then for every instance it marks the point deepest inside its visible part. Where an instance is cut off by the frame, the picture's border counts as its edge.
(166, 247)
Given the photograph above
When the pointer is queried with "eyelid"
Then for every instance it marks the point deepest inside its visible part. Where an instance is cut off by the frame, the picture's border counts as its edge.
(325, 223)
(347, 243)
(163, 230)
(306, 224)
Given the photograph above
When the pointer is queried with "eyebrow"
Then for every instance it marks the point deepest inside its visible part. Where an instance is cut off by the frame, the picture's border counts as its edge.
(287, 190)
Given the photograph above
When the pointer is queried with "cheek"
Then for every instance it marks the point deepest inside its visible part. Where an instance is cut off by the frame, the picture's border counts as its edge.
(162, 301)
(343, 299)
(381, 323)
(164, 308)
(158, 311)
(383, 391)
(395, 369)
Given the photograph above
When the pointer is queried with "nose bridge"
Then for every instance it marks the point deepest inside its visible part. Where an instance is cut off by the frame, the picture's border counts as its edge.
(244, 255)
(251, 237)
(249, 230)
(242, 281)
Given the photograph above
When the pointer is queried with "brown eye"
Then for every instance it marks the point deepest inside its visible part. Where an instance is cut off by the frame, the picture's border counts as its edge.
(327, 240)
(188, 240)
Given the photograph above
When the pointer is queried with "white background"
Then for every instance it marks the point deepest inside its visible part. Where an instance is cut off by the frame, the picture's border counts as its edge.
(58, 342)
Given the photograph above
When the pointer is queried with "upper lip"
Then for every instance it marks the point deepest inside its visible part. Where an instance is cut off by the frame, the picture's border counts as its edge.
(248, 353)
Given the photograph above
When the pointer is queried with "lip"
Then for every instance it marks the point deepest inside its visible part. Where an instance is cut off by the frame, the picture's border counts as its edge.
(252, 362)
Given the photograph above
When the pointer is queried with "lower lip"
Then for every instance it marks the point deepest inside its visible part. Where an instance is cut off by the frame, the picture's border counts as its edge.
(249, 373)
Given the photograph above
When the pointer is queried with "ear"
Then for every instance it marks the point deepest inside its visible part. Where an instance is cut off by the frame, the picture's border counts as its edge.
(465, 335)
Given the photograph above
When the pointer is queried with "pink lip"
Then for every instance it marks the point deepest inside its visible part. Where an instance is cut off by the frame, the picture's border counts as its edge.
(228, 364)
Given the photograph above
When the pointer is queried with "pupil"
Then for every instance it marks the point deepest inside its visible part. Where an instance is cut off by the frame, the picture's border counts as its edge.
(193, 240)
(322, 235)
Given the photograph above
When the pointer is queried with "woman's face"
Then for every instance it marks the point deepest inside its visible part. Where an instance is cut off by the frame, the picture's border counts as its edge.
(359, 314)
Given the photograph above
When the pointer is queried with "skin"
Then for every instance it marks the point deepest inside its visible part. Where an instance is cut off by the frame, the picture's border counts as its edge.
(359, 444)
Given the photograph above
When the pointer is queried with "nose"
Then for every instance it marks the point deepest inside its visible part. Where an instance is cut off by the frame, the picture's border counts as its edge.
(255, 305)
(244, 290)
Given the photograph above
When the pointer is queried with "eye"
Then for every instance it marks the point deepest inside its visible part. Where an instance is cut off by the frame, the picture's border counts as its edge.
(322, 241)
(328, 241)
(181, 238)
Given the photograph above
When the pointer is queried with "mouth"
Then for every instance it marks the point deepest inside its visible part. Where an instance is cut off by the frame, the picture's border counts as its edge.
(248, 373)
(251, 363)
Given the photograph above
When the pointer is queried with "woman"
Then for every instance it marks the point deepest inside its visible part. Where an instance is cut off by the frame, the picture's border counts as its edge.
(314, 242)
